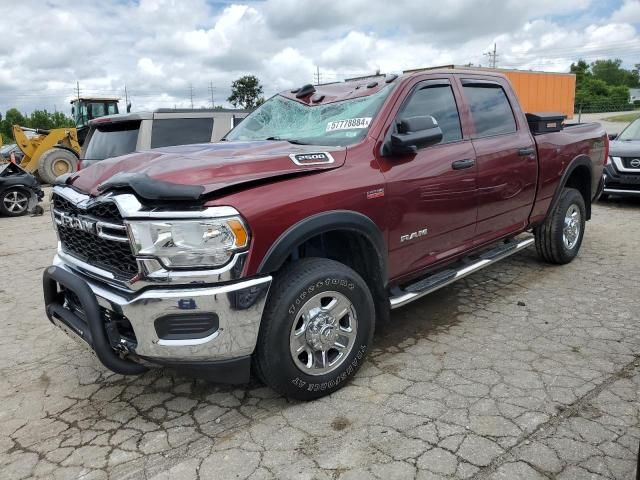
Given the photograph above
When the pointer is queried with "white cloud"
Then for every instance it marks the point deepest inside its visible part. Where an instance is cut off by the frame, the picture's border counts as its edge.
(160, 48)
(147, 67)
(629, 12)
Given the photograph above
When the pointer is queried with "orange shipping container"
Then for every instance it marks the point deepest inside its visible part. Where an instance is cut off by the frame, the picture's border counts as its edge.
(544, 92)
(537, 91)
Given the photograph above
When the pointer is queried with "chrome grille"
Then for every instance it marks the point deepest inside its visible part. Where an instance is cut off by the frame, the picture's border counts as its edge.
(96, 235)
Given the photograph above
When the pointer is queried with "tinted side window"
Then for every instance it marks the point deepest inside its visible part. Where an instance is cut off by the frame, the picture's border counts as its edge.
(180, 131)
(439, 102)
(490, 110)
(111, 140)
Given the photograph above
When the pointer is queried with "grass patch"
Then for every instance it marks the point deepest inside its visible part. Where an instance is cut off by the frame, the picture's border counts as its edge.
(627, 117)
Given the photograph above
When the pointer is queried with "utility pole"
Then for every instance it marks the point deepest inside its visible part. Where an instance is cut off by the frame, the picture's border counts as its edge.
(317, 75)
(191, 94)
(78, 90)
(211, 90)
(493, 56)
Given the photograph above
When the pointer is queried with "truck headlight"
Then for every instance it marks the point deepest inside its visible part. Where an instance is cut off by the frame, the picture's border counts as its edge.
(189, 243)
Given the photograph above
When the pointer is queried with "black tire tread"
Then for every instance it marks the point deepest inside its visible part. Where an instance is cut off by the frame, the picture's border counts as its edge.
(546, 234)
(6, 212)
(288, 277)
(44, 172)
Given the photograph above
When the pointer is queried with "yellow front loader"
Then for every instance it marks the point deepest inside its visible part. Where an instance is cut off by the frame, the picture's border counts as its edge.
(48, 153)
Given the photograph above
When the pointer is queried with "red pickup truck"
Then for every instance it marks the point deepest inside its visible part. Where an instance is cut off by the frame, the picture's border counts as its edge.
(278, 249)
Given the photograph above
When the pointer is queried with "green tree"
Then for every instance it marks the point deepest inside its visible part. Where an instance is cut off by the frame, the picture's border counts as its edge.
(246, 92)
(60, 120)
(604, 85)
(11, 117)
(40, 119)
(608, 71)
(37, 119)
(581, 69)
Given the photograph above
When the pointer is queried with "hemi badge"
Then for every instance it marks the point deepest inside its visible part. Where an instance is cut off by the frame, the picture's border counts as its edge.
(378, 192)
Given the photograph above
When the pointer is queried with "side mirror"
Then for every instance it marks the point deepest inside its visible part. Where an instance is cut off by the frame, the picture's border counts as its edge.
(613, 136)
(129, 107)
(73, 110)
(414, 133)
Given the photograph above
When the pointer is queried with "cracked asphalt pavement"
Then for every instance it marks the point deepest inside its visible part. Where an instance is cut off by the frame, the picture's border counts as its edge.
(521, 371)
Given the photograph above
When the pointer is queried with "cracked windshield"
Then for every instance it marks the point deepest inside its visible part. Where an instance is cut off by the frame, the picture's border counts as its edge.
(339, 123)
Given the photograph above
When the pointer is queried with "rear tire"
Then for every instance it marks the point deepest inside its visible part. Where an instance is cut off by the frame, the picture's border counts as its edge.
(56, 162)
(316, 329)
(559, 238)
(14, 202)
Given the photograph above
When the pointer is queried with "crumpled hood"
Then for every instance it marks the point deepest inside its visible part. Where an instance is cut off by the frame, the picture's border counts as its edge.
(211, 166)
(619, 148)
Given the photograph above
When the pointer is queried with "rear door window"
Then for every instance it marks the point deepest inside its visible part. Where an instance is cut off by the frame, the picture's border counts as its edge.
(112, 140)
(490, 109)
(167, 132)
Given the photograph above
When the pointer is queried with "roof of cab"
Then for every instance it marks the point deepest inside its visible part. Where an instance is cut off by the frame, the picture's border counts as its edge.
(367, 85)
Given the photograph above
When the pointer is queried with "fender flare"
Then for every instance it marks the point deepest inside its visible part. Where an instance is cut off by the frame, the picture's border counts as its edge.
(21, 186)
(579, 161)
(323, 223)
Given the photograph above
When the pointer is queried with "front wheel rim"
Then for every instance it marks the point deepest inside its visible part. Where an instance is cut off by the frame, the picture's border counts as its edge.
(323, 333)
(15, 202)
(61, 166)
(572, 227)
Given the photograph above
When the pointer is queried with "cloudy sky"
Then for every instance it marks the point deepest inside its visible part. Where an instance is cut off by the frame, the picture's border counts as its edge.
(162, 48)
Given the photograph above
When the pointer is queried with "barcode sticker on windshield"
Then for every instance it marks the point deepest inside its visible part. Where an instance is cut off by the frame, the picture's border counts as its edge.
(349, 123)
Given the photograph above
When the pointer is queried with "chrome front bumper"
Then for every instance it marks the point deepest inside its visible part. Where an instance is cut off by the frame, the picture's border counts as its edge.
(238, 306)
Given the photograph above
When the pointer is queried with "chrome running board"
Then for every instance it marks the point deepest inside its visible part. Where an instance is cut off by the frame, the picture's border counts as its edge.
(443, 278)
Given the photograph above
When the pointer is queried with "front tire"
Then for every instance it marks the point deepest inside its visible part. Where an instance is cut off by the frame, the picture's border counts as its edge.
(559, 238)
(316, 329)
(56, 162)
(14, 202)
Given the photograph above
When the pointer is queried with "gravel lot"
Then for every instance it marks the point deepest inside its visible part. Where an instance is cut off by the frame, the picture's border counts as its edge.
(610, 127)
(522, 371)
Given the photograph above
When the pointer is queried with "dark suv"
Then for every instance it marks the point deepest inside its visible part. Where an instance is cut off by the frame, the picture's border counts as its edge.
(117, 135)
(622, 174)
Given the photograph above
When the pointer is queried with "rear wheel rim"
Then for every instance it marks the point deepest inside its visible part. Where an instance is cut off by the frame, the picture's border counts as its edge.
(323, 333)
(15, 202)
(572, 227)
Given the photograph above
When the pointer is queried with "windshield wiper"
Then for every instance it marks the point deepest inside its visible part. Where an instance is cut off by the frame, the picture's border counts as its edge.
(290, 140)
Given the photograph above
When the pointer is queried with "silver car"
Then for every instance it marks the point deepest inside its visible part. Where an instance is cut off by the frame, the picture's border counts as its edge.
(116, 135)
(622, 173)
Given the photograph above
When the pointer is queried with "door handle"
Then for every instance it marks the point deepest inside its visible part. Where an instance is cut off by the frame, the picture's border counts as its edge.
(525, 152)
(462, 164)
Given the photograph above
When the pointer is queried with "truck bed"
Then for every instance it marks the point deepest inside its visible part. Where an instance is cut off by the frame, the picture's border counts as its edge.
(556, 150)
